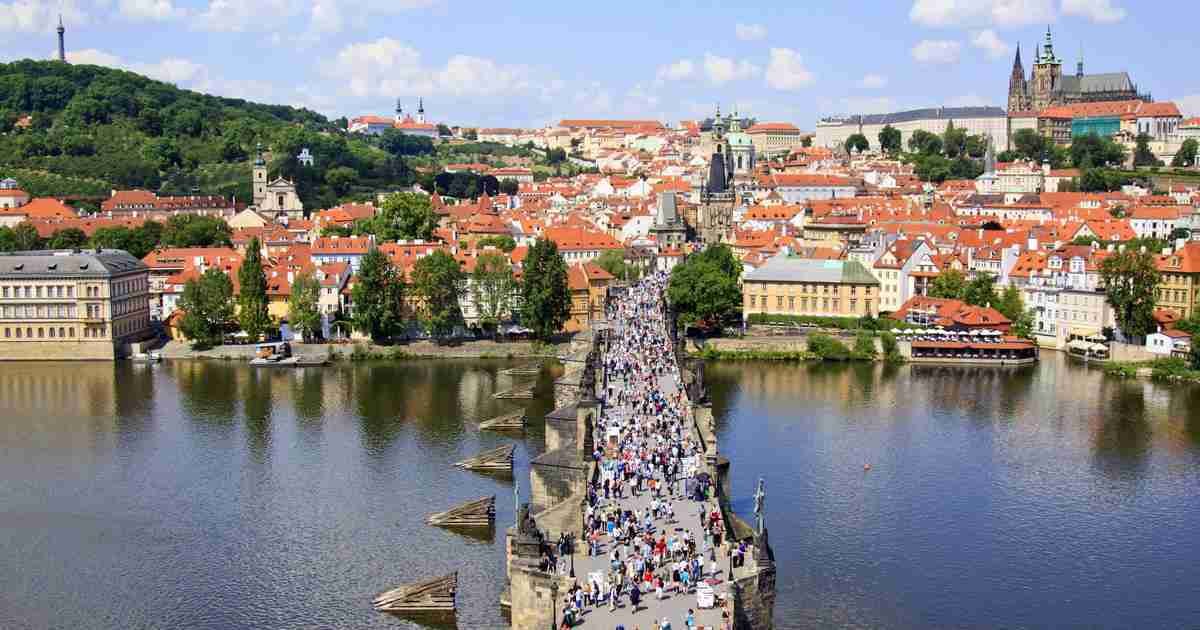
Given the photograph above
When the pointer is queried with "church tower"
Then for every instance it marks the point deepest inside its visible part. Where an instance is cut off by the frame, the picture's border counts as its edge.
(259, 175)
(1047, 77)
(421, 110)
(1018, 87)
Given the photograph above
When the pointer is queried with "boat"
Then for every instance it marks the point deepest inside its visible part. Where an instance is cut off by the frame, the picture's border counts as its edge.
(279, 354)
(146, 357)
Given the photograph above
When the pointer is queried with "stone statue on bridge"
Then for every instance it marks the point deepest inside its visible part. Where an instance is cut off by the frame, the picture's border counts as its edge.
(760, 498)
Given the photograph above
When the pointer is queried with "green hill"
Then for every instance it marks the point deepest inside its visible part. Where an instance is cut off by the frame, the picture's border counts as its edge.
(93, 128)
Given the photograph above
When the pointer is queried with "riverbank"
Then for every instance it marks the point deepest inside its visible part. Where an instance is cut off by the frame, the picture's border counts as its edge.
(1170, 370)
(811, 347)
(364, 351)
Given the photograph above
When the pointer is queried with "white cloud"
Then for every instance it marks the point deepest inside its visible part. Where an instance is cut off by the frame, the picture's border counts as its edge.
(1101, 11)
(721, 70)
(868, 105)
(968, 100)
(245, 15)
(150, 10)
(786, 70)
(682, 69)
(936, 51)
(324, 16)
(872, 82)
(942, 13)
(987, 41)
(750, 32)
(93, 57)
(387, 67)
(39, 16)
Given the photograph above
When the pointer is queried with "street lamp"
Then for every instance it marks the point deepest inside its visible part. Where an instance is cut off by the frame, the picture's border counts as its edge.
(571, 542)
(554, 606)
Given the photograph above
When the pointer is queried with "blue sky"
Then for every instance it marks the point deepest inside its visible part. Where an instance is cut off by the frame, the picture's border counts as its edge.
(531, 63)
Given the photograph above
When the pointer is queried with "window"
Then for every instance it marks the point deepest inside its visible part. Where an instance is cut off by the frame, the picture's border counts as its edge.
(18, 333)
(779, 302)
(791, 302)
(7, 333)
(62, 332)
(753, 301)
(51, 333)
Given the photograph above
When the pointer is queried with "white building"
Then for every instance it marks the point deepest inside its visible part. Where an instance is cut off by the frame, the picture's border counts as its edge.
(985, 121)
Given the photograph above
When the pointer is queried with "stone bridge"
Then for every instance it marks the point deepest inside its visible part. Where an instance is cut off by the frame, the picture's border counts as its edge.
(558, 480)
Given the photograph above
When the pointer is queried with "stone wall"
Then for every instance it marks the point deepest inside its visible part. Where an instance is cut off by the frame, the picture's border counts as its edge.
(58, 350)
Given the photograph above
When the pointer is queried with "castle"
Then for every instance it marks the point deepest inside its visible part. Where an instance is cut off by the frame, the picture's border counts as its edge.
(1048, 87)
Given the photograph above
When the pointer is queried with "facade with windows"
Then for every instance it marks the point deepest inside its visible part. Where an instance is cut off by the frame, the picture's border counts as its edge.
(72, 305)
(813, 288)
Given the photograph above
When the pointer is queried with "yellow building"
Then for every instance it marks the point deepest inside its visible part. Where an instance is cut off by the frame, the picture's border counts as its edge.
(822, 288)
(1179, 284)
(775, 138)
(72, 305)
(589, 284)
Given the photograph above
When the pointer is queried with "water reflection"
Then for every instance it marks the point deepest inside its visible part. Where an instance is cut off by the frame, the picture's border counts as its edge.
(1032, 497)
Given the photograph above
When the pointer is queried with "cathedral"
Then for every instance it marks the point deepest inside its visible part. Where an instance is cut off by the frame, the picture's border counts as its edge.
(1048, 87)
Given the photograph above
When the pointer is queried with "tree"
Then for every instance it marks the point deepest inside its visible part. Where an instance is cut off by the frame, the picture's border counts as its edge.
(492, 288)
(546, 297)
(444, 131)
(509, 186)
(1093, 151)
(925, 143)
(949, 284)
(805, 142)
(398, 143)
(68, 238)
(303, 312)
(857, 143)
(438, 280)
(1186, 156)
(403, 216)
(377, 296)
(192, 230)
(8, 239)
(502, 242)
(1010, 304)
(1130, 279)
(207, 307)
(890, 140)
(704, 289)
(1028, 144)
(981, 290)
(1142, 155)
(976, 146)
(341, 178)
(27, 238)
(253, 315)
(613, 261)
(1022, 324)
(954, 141)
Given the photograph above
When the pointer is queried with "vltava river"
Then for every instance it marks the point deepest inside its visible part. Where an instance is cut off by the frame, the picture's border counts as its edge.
(213, 495)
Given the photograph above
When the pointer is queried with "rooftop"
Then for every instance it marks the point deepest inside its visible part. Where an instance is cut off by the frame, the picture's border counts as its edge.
(66, 263)
(792, 269)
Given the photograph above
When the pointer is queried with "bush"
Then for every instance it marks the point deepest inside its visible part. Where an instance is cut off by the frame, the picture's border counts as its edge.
(827, 347)
(864, 347)
(891, 350)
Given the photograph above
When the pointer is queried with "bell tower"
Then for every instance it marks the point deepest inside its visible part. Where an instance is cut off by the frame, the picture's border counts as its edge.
(259, 175)
(1047, 76)
(1018, 87)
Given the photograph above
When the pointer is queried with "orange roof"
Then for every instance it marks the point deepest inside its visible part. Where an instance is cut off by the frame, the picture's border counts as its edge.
(47, 208)
(568, 239)
(1186, 260)
(347, 245)
(1121, 109)
(598, 123)
(773, 127)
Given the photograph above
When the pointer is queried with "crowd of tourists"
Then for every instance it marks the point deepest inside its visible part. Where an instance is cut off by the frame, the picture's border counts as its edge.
(645, 452)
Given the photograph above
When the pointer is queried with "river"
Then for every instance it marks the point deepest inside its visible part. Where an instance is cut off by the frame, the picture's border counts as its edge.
(213, 495)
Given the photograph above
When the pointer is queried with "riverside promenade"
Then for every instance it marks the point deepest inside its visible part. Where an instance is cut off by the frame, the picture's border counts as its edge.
(631, 476)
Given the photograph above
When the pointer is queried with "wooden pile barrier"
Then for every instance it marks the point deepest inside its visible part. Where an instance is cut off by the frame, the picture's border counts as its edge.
(494, 460)
(479, 513)
(430, 596)
(514, 421)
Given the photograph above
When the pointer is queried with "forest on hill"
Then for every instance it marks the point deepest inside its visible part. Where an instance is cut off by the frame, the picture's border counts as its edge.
(80, 130)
